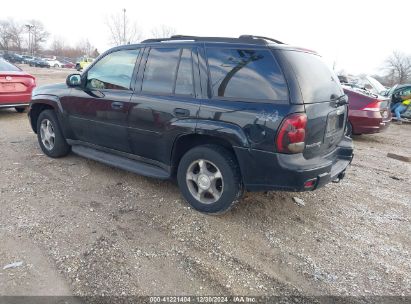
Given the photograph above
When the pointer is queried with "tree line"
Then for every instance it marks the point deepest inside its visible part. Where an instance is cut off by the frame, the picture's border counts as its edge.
(397, 69)
(31, 36)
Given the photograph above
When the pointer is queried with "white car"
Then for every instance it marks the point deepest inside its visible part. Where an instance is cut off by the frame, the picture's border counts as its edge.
(54, 63)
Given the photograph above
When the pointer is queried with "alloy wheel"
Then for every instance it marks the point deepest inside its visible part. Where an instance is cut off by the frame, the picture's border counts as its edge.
(47, 134)
(205, 181)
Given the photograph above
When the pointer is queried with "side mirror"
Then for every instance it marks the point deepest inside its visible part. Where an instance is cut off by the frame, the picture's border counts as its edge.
(73, 80)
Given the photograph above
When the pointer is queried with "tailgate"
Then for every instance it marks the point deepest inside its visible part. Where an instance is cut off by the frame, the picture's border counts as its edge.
(324, 101)
(325, 127)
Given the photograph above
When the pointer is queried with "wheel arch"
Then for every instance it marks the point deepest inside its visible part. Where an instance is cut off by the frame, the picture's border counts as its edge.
(186, 142)
(38, 105)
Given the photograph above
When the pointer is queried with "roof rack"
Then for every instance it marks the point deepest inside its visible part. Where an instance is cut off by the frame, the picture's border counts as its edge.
(243, 38)
(260, 37)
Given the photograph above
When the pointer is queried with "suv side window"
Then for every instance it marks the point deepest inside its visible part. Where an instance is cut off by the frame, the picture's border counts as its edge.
(246, 74)
(160, 70)
(114, 71)
(184, 82)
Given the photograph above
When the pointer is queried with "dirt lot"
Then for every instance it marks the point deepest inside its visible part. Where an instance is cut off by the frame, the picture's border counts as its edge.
(84, 228)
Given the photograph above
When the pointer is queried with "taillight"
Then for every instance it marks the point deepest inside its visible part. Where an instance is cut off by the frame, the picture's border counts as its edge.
(373, 106)
(291, 136)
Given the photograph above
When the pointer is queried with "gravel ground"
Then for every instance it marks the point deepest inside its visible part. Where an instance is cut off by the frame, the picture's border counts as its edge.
(84, 228)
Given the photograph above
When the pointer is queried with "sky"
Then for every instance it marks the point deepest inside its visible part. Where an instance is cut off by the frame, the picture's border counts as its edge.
(355, 36)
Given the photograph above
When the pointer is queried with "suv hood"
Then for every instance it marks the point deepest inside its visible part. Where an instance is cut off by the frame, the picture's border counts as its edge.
(50, 89)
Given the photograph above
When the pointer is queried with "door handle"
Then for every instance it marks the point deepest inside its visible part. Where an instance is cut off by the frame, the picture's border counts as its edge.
(117, 105)
(181, 112)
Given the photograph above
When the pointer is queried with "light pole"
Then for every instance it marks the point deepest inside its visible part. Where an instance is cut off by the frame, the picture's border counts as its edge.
(124, 26)
(29, 27)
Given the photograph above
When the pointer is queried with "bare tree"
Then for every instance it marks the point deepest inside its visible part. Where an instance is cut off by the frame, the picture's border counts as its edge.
(16, 34)
(399, 67)
(58, 46)
(39, 35)
(5, 35)
(85, 47)
(95, 53)
(122, 30)
(163, 31)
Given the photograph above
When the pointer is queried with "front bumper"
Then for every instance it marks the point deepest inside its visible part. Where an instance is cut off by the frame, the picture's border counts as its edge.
(264, 171)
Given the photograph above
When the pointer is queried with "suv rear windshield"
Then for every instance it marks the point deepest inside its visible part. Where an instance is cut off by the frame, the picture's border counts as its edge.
(317, 81)
(245, 74)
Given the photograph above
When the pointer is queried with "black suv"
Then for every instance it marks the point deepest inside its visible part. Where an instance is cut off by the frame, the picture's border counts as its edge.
(221, 115)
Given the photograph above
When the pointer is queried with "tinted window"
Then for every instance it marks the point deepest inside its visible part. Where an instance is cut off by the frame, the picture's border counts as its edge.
(250, 74)
(184, 82)
(405, 92)
(5, 66)
(113, 71)
(160, 71)
(317, 81)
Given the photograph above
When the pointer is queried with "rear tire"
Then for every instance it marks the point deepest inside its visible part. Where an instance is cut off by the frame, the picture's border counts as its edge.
(49, 135)
(209, 178)
(20, 109)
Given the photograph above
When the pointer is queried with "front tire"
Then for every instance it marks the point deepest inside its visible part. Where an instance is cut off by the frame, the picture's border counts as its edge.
(49, 135)
(209, 179)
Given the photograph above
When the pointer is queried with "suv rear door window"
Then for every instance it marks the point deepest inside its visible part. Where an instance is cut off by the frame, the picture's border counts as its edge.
(184, 82)
(160, 70)
(114, 71)
(246, 74)
(317, 81)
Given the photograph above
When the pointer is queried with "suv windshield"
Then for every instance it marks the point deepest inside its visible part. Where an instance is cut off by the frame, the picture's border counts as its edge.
(318, 83)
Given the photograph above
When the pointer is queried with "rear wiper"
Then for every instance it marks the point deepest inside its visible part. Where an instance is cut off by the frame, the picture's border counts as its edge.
(341, 100)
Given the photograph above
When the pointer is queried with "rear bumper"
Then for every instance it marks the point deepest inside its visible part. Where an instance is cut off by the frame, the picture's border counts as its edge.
(12, 105)
(264, 171)
(368, 122)
(9, 100)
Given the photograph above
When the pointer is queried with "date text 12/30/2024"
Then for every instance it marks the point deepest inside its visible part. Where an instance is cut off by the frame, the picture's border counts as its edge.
(203, 299)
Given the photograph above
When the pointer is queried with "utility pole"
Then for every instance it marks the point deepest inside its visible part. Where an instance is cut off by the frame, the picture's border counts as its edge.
(29, 28)
(124, 26)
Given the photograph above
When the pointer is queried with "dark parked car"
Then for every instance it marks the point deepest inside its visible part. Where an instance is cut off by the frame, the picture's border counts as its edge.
(398, 90)
(222, 115)
(27, 59)
(395, 93)
(368, 113)
(13, 58)
(38, 62)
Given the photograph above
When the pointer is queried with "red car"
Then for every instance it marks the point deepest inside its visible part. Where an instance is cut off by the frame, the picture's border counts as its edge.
(367, 112)
(15, 87)
(68, 65)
